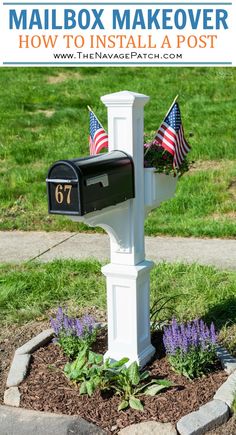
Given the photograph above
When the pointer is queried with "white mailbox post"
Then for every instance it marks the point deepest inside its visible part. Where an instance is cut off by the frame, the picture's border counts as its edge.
(128, 274)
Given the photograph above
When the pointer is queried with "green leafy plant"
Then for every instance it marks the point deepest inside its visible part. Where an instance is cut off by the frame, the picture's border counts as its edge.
(85, 370)
(156, 156)
(191, 347)
(92, 373)
(128, 385)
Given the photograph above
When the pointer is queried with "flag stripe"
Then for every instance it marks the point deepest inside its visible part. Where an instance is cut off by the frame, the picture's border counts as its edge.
(101, 144)
(179, 150)
(98, 136)
(169, 128)
(162, 141)
(168, 136)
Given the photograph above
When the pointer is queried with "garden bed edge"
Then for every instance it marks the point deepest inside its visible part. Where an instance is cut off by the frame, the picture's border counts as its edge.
(209, 416)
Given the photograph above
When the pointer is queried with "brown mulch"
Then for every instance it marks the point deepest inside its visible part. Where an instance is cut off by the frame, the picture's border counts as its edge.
(11, 338)
(47, 389)
(14, 336)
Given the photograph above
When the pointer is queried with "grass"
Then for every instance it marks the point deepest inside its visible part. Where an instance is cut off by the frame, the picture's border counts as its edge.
(228, 338)
(204, 206)
(28, 291)
(233, 407)
(44, 118)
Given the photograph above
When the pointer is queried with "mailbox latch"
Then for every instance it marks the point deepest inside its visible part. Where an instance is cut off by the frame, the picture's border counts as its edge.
(103, 179)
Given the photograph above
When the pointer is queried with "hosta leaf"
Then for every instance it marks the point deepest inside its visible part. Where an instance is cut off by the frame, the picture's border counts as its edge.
(133, 373)
(119, 363)
(67, 368)
(123, 405)
(96, 381)
(106, 363)
(82, 354)
(99, 358)
(83, 388)
(144, 375)
(157, 386)
(135, 403)
(163, 382)
(152, 390)
(92, 357)
(90, 387)
(80, 362)
(74, 374)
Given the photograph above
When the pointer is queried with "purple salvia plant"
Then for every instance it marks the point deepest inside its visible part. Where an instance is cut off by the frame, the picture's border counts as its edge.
(70, 326)
(73, 334)
(190, 347)
(183, 337)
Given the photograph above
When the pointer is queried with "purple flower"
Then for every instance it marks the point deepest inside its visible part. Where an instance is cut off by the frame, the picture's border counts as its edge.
(213, 333)
(70, 326)
(67, 325)
(59, 315)
(185, 337)
(88, 322)
(54, 325)
(78, 328)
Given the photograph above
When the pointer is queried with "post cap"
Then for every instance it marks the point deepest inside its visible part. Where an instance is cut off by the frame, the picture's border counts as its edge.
(124, 98)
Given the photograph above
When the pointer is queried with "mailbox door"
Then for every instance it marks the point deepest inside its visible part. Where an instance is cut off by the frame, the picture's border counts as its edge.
(63, 197)
(63, 189)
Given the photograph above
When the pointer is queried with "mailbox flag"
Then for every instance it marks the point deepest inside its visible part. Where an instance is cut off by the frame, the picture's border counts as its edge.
(98, 138)
(171, 136)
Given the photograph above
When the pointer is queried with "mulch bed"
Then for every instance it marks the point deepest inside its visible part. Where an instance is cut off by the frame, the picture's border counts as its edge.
(47, 389)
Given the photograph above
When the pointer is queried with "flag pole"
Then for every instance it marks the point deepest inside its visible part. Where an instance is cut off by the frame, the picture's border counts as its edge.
(174, 101)
(90, 110)
(168, 111)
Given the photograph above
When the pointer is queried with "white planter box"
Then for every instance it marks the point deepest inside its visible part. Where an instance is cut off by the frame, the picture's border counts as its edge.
(158, 187)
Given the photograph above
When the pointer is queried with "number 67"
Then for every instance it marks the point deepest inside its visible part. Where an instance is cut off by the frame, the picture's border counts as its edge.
(61, 191)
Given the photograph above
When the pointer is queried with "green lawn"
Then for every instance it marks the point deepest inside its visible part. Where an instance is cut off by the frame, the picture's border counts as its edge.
(44, 118)
(29, 290)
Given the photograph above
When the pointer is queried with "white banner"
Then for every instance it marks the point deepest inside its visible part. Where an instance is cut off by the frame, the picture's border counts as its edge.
(180, 33)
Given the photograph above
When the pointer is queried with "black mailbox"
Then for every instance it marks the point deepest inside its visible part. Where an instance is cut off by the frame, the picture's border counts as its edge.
(80, 186)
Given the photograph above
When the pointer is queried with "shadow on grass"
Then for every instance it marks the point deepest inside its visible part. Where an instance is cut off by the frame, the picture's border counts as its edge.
(222, 313)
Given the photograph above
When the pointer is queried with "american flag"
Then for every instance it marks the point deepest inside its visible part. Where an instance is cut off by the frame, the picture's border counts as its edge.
(171, 136)
(98, 138)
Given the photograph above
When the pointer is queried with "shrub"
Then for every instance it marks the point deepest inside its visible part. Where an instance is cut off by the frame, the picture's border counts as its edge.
(191, 347)
(73, 334)
(156, 156)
